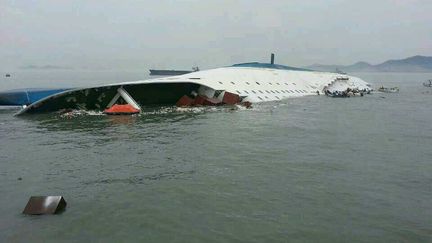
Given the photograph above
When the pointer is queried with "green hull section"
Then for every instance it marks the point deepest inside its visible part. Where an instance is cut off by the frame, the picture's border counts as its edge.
(97, 99)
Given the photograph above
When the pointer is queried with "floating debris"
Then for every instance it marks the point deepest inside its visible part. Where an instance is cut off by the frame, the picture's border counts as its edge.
(38, 205)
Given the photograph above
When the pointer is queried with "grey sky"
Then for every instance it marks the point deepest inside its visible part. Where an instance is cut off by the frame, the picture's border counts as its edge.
(181, 34)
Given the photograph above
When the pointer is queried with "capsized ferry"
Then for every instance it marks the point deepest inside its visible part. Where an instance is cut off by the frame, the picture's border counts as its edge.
(253, 82)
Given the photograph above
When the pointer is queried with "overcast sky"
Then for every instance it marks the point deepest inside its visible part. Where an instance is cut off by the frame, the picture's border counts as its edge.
(180, 34)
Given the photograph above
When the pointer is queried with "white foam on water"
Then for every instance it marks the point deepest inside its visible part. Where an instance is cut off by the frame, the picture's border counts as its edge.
(75, 113)
(190, 109)
(163, 110)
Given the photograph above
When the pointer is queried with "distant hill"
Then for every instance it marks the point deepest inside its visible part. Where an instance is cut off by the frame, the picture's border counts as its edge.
(410, 64)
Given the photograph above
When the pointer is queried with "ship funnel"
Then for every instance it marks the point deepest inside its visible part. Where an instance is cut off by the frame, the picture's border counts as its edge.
(272, 59)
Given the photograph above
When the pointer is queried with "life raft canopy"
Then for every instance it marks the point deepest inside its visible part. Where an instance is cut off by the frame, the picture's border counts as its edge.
(130, 108)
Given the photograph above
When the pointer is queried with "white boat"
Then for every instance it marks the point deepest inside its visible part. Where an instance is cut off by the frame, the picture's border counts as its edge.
(428, 83)
(252, 82)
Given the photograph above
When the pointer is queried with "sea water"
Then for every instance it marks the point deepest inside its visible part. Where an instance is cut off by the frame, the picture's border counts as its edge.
(304, 169)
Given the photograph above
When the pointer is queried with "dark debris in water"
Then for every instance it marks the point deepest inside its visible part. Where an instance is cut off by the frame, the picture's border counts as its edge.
(143, 179)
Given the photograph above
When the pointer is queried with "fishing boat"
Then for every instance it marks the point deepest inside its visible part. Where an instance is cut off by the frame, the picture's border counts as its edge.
(252, 82)
(428, 83)
(388, 90)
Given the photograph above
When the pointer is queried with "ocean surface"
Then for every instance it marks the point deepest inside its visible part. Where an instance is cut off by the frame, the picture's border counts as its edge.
(311, 169)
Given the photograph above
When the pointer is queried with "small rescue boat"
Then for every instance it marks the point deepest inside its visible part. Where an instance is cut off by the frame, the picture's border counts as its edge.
(388, 90)
(428, 83)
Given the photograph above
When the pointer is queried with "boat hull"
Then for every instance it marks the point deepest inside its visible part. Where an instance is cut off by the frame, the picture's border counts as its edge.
(25, 96)
(98, 98)
(252, 83)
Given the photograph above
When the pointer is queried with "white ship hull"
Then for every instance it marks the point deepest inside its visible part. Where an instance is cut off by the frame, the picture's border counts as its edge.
(253, 83)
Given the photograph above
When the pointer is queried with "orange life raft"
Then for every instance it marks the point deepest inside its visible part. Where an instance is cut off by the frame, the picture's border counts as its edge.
(121, 110)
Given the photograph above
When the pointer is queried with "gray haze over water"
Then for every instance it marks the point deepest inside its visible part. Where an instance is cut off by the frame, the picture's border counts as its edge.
(181, 34)
(306, 169)
(311, 169)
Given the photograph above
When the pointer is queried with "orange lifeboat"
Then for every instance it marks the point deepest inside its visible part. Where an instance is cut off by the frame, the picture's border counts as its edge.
(121, 110)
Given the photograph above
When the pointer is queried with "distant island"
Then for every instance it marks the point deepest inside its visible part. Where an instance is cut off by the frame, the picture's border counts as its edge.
(410, 64)
(44, 67)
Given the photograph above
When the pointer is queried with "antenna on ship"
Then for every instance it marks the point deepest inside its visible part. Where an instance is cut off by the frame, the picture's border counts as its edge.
(272, 58)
